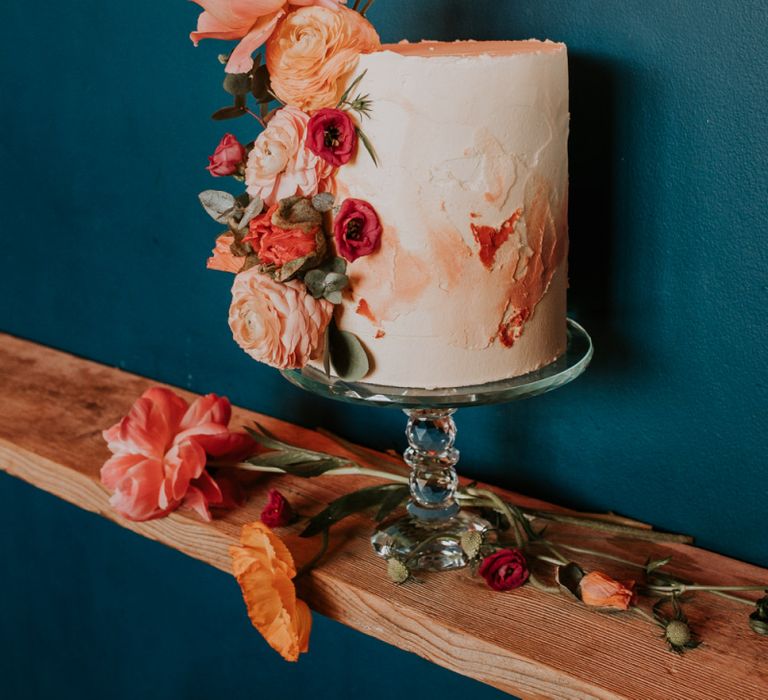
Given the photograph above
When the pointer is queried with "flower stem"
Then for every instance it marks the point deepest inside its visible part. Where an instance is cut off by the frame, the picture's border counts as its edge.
(685, 588)
(592, 552)
(367, 7)
(256, 117)
(503, 508)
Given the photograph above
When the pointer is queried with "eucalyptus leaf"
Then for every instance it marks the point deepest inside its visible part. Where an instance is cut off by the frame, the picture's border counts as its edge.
(231, 112)
(569, 577)
(348, 355)
(290, 269)
(237, 83)
(338, 265)
(335, 281)
(336, 298)
(323, 201)
(351, 503)
(254, 208)
(260, 85)
(219, 205)
(315, 282)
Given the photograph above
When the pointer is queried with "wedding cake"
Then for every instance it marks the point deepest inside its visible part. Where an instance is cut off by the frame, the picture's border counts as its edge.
(405, 221)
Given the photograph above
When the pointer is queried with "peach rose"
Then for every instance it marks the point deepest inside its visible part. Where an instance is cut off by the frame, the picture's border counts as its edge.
(264, 568)
(250, 20)
(280, 165)
(313, 50)
(277, 323)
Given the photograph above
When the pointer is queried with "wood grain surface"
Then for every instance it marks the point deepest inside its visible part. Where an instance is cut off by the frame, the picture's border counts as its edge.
(528, 643)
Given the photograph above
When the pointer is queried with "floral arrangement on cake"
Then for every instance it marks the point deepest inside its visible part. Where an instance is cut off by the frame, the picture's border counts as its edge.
(288, 241)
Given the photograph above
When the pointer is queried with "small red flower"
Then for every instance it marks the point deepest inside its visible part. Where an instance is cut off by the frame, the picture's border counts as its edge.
(278, 511)
(504, 570)
(331, 136)
(356, 229)
(227, 157)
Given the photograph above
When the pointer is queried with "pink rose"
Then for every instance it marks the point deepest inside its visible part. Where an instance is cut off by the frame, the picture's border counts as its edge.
(331, 135)
(504, 570)
(280, 165)
(356, 229)
(227, 157)
(250, 20)
(160, 450)
(278, 511)
(275, 245)
(277, 323)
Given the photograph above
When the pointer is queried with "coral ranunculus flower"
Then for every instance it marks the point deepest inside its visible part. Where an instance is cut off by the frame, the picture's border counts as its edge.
(160, 452)
(264, 568)
(277, 246)
(222, 258)
(280, 165)
(277, 323)
(252, 21)
(313, 50)
(599, 590)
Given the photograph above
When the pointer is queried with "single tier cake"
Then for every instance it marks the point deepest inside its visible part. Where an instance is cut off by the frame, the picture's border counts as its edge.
(471, 187)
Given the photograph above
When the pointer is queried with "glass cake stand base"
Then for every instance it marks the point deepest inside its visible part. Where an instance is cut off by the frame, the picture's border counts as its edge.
(428, 537)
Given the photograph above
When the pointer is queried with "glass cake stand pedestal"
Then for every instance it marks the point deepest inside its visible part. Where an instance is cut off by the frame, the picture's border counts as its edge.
(428, 536)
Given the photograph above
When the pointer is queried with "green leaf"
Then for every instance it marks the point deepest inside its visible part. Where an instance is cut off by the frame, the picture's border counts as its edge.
(260, 85)
(323, 201)
(348, 355)
(351, 503)
(368, 146)
(219, 205)
(351, 87)
(327, 353)
(393, 501)
(237, 83)
(653, 564)
(335, 298)
(338, 265)
(315, 282)
(254, 208)
(336, 281)
(231, 112)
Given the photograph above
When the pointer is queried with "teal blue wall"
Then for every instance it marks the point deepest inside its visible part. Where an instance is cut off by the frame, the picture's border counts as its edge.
(103, 137)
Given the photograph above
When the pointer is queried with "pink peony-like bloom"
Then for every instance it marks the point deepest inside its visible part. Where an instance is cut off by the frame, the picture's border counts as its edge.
(280, 165)
(356, 229)
(278, 511)
(160, 451)
(252, 21)
(227, 157)
(313, 52)
(277, 323)
(331, 135)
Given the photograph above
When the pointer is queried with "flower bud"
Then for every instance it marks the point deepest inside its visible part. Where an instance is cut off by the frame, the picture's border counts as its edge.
(397, 570)
(471, 541)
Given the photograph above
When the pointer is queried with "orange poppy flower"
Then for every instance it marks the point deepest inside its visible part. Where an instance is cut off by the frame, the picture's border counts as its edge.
(264, 568)
(602, 591)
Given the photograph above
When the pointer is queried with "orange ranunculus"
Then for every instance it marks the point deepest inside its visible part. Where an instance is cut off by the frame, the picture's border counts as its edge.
(264, 568)
(313, 50)
(276, 245)
(599, 590)
(221, 256)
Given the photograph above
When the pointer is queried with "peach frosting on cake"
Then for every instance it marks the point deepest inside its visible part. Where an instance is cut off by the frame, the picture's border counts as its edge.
(471, 187)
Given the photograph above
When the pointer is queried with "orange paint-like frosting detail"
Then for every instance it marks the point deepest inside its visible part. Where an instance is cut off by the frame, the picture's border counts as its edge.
(364, 310)
(491, 239)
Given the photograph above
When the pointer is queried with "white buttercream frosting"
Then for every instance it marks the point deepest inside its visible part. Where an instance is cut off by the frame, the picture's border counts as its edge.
(468, 133)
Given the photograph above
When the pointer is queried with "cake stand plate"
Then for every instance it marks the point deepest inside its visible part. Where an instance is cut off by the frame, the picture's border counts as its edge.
(428, 537)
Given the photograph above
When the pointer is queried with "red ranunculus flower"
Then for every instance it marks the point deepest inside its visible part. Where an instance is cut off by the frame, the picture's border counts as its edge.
(356, 229)
(331, 136)
(275, 245)
(278, 511)
(504, 570)
(227, 157)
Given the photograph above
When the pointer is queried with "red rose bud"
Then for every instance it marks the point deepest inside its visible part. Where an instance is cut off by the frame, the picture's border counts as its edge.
(504, 570)
(278, 511)
(227, 157)
(331, 136)
(356, 229)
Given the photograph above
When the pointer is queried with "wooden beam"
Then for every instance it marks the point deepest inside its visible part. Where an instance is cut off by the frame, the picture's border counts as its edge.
(529, 643)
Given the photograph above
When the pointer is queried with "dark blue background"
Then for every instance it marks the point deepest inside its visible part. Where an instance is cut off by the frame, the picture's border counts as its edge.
(104, 135)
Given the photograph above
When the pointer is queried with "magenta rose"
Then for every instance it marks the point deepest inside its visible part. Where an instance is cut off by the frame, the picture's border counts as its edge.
(331, 136)
(356, 229)
(278, 511)
(227, 157)
(504, 570)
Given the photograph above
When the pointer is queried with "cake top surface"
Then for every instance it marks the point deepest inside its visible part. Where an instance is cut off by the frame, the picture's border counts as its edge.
(473, 48)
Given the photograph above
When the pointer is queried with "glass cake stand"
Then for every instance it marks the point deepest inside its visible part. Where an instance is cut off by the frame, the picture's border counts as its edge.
(428, 536)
